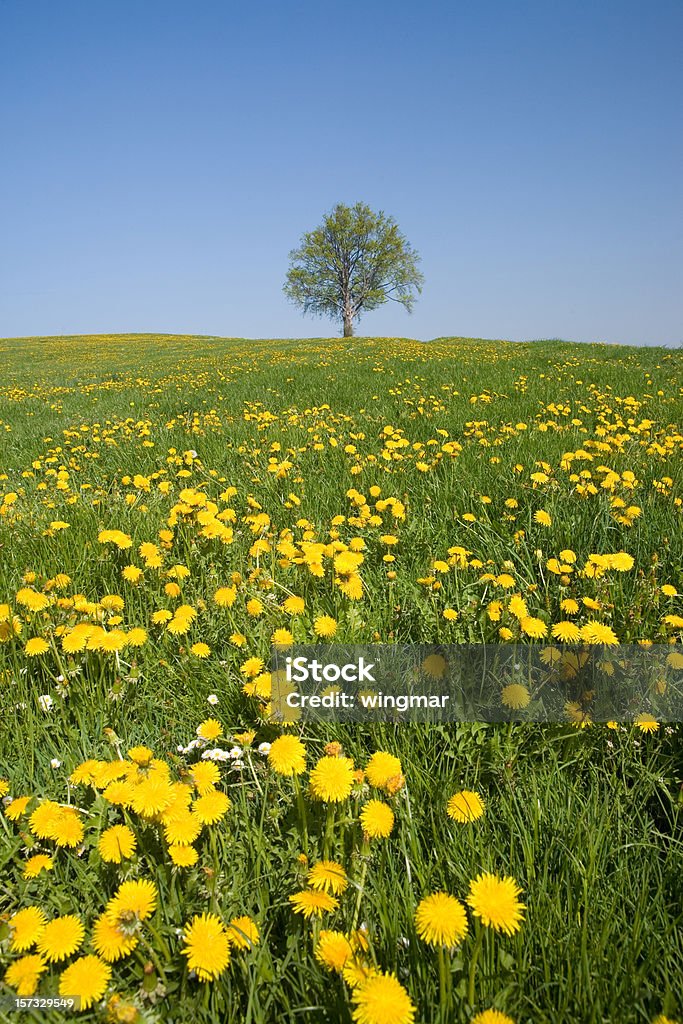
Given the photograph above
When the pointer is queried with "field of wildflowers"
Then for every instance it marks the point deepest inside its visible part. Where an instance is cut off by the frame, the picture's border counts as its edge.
(170, 507)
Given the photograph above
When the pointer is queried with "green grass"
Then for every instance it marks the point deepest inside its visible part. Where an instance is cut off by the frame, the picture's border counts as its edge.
(588, 821)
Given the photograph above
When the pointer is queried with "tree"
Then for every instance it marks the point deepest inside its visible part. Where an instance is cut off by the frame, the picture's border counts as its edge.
(354, 262)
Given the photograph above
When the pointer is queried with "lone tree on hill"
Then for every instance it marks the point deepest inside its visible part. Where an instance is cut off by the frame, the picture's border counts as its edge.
(354, 262)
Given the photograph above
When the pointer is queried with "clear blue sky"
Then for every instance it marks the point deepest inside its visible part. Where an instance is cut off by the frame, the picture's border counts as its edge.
(161, 158)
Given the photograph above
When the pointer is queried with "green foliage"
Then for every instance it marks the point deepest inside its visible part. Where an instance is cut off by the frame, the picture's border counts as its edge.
(354, 262)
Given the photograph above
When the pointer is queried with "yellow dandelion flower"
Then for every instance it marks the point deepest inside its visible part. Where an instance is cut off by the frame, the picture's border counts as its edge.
(24, 974)
(566, 632)
(116, 843)
(86, 978)
(39, 862)
(646, 723)
(492, 1017)
(382, 999)
(325, 626)
(465, 806)
(18, 806)
(598, 633)
(441, 920)
(328, 876)
(36, 646)
(333, 950)
(61, 937)
(207, 946)
(515, 696)
(205, 776)
(68, 829)
(209, 729)
(377, 819)
(183, 856)
(535, 628)
(382, 767)
(332, 779)
(109, 942)
(287, 755)
(134, 901)
(495, 902)
(313, 902)
(26, 927)
(243, 932)
(141, 755)
(200, 650)
(211, 807)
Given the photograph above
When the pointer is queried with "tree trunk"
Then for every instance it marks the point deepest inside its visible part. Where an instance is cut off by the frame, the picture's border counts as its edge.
(348, 326)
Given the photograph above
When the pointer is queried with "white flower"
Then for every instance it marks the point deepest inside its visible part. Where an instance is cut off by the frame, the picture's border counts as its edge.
(215, 755)
(54, 763)
(46, 702)
(237, 765)
(235, 753)
(264, 749)
(212, 699)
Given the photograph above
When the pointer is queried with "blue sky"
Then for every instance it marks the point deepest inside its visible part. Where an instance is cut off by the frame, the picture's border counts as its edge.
(160, 159)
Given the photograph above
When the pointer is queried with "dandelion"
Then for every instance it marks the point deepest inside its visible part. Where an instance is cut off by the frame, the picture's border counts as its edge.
(183, 856)
(26, 927)
(325, 626)
(332, 779)
(43, 820)
(211, 807)
(61, 937)
(243, 932)
(36, 646)
(86, 978)
(313, 902)
(495, 902)
(210, 729)
(134, 901)
(109, 942)
(492, 1017)
(204, 776)
(200, 650)
(328, 876)
(381, 768)
(287, 755)
(535, 628)
(382, 999)
(515, 696)
(646, 723)
(441, 920)
(465, 806)
(116, 844)
(24, 974)
(542, 518)
(566, 632)
(39, 862)
(282, 638)
(207, 946)
(182, 826)
(377, 819)
(15, 810)
(597, 633)
(333, 950)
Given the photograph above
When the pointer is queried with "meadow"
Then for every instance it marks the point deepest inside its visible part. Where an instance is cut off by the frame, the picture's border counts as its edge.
(170, 507)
